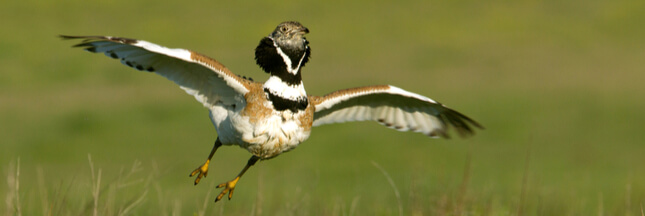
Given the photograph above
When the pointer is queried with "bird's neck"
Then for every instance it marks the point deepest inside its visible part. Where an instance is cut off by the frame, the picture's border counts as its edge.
(284, 88)
(286, 96)
(283, 60)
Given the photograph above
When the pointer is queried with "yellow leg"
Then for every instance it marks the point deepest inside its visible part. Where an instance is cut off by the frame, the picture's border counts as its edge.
(203, 169)
(230, 185)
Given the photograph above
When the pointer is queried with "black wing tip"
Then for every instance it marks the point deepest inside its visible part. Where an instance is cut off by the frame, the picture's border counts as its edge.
(88, 39)
(462, 123)
(70, 37)
(66, 37)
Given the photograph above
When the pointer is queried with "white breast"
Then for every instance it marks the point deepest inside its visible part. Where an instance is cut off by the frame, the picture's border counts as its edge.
(275, 134)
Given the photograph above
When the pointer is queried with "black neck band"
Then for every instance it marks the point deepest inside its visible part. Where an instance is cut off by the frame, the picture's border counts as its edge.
(281, 104)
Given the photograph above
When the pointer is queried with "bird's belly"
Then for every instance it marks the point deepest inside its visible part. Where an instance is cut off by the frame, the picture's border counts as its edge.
(274, 136)
(265, 138)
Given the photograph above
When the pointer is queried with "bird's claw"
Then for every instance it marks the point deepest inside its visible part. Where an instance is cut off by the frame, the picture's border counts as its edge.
(229, 187)
(201, 170)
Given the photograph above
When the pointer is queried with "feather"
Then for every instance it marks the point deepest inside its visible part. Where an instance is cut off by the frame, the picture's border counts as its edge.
(392, 107)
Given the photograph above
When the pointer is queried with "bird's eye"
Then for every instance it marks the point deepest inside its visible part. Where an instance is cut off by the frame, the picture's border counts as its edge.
(284, 29)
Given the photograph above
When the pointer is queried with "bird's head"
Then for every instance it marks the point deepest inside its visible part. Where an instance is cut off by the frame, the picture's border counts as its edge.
(285, 50)
(290, 34)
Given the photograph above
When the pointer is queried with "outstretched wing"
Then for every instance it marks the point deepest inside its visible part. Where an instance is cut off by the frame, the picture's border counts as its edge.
(392, 107)
(203, 77)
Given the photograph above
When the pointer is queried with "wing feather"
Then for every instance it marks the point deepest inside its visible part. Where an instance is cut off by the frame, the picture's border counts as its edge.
(392, 107)
(399, 120)
(200, 76)
(412, 122)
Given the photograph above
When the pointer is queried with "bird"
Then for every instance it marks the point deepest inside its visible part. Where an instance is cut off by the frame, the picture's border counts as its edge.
(271, 118)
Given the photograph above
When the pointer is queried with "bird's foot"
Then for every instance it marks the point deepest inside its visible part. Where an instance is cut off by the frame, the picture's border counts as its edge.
(201, 170)
(229, 187)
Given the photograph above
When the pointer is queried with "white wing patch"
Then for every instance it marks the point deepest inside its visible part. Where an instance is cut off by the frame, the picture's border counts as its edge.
(206, 79)
(392, 107)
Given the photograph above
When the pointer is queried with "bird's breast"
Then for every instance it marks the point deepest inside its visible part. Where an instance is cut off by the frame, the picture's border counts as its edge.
(266, 132)
(276, 134)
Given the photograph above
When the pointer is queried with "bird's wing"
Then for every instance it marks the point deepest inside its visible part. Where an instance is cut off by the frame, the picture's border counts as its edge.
(199, 75)
(392, 107)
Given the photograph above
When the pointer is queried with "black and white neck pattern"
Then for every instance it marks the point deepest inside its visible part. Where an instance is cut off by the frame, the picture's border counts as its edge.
(296, 53)
(285, 61)
(284, 88)
(284, 96)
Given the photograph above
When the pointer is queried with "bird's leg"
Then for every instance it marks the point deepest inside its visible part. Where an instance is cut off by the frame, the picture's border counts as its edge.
(203, 169)
(230, 185)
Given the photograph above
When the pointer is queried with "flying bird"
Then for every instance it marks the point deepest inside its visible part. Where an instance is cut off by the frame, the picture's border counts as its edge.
(273, 117)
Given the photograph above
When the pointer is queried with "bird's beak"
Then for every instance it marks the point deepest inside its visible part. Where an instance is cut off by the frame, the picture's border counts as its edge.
(304, 30)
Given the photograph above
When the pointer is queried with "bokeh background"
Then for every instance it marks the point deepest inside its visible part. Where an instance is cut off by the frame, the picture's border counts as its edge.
(559, 86)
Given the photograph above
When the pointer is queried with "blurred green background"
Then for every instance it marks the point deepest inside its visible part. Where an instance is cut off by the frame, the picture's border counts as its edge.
(557, 84)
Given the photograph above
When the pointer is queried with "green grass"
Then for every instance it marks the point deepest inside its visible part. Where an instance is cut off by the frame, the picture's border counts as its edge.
(558, 86)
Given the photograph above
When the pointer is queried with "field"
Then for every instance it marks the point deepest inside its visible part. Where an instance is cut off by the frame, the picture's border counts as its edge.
(557, 84)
